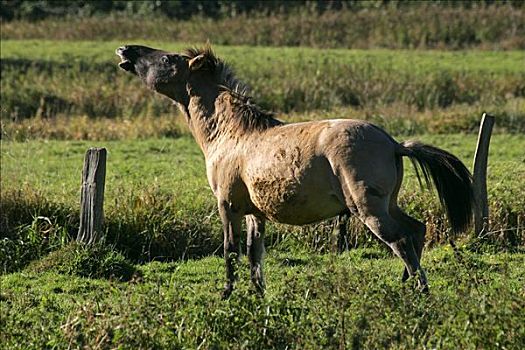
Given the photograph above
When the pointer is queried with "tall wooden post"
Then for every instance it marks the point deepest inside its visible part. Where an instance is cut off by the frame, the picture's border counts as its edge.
(481, 213)
(92, 196)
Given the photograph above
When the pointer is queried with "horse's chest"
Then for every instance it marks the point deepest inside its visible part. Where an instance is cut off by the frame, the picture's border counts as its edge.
(224, 178)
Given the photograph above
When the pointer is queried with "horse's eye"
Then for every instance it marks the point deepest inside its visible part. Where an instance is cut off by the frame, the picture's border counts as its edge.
(165, 59)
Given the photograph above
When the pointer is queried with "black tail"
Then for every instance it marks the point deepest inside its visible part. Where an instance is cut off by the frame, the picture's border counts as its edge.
(452, 179)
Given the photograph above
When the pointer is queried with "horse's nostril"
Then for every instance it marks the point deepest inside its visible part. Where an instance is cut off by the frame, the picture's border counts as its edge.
(121, 50)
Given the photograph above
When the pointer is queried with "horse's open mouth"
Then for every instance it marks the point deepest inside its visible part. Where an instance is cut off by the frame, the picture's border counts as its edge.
(125, 63)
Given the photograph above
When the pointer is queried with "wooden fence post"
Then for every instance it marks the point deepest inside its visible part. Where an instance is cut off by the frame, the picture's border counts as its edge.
(92, 196)
(481, 213)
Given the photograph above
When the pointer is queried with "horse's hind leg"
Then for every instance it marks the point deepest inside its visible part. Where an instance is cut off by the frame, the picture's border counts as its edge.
(412, 226)
(416, 228)
(339, 236)
(394, 233)
(401, 242)
(255, 247)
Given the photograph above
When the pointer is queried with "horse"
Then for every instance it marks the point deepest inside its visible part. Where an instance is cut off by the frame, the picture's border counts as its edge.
(260, 168)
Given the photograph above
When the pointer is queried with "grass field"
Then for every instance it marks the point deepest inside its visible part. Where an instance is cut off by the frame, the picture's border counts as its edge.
(489, 62)
(313, 301)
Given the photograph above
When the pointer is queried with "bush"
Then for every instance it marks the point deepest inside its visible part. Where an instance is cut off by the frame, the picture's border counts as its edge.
(31, 227)
(93, 261)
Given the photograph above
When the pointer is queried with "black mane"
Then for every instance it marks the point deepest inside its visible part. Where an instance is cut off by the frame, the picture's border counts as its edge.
(251, 116)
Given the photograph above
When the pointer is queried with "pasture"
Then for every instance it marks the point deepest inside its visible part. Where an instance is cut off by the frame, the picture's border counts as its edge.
(156, 282)
(159, 205)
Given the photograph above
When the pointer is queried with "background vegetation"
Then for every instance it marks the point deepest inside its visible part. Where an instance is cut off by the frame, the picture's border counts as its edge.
(156, 213)
(322, 24)
(155, 281)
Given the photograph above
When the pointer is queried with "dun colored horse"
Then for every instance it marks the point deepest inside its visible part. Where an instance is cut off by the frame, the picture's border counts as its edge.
(262, 169)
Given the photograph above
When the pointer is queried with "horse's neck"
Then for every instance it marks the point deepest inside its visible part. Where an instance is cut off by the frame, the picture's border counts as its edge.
(199, 115)
(205, 111)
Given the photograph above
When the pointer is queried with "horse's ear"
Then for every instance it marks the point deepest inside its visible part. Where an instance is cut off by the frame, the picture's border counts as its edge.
(196, 62)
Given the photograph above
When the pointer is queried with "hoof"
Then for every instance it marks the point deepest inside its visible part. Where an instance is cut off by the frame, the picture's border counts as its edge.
(259, 286)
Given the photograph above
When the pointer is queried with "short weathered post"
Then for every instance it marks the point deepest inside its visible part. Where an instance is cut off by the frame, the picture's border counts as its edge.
(481, 213)
(92, 196)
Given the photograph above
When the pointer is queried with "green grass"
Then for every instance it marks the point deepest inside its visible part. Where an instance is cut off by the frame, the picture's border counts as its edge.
(158, 204)
(354, 300)
(152, 211)
(426, 88)
(423, 62)
(156, 281)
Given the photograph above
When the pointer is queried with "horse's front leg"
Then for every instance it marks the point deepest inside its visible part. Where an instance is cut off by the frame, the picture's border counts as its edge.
(231, 222)
(255, 247)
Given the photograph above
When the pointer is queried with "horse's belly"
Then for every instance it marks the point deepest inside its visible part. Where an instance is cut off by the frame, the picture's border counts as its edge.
(302, 213)
(298, 197)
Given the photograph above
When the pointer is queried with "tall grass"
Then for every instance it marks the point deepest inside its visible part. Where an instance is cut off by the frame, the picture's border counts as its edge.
(396, 119)
(55, 78)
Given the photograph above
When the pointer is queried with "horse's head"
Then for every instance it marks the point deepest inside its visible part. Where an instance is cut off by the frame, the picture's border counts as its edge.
(164, 72)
